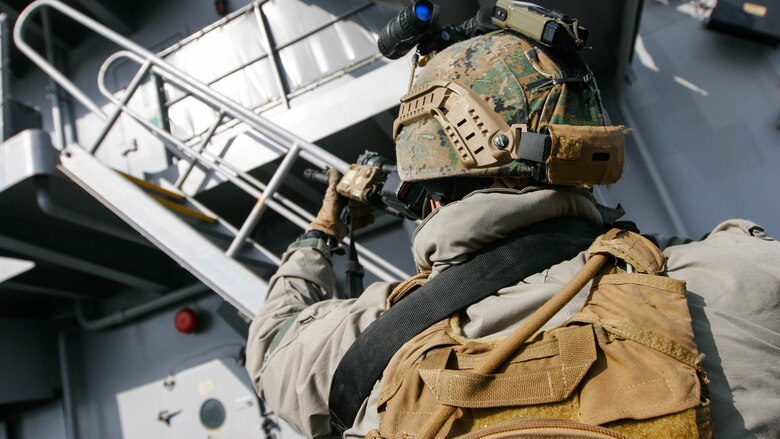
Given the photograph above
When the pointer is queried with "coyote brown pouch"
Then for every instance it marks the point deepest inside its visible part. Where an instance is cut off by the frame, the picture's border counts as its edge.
(626, 365)
(587, 155)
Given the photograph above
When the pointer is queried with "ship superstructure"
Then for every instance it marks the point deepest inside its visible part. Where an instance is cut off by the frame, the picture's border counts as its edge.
(153, 161)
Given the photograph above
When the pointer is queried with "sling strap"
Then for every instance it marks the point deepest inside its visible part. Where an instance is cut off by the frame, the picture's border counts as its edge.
(503, 263)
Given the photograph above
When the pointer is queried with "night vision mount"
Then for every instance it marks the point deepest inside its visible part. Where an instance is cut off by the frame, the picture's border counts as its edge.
(417, 26)
(551, 28)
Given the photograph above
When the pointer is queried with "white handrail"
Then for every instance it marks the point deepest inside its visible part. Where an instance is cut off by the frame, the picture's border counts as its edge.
(181, 78)
(379, 266)
(275, 134)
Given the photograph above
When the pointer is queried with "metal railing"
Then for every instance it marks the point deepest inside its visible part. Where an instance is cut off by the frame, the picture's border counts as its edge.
(271, 51)
(225, 109)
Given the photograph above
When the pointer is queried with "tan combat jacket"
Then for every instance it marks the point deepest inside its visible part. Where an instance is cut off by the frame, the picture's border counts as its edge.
(733, 281)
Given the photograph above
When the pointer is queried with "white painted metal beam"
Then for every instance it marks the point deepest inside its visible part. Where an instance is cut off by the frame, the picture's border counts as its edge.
(193, 251)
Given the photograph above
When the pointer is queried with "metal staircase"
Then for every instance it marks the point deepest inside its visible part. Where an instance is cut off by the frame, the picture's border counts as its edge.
(220, 255)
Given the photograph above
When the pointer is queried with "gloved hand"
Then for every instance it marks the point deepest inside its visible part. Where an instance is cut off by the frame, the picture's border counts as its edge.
(328, 218)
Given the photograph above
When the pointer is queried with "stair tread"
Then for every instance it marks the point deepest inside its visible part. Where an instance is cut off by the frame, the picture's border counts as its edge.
(234, 281)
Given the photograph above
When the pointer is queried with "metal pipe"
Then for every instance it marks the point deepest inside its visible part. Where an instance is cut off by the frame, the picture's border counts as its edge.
(112, 118)
(201, 146)
(124, 315)
(278, 135)
(213, 26)
(327, 24)
(43, 291)
(272, 54)
(249, 225)
(373, 262)
(56, 114)
(631, 9)
(74, 262)
(275, 49)
(209, 160)
(47, 67)
(5, 78)
(67, 392)
(267, 253)
(182, 79)
(269, 131)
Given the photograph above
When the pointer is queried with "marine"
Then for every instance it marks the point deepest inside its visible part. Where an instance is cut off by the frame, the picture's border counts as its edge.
(716, 298)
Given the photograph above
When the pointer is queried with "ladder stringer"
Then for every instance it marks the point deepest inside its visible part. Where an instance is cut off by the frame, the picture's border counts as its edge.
(227, 277)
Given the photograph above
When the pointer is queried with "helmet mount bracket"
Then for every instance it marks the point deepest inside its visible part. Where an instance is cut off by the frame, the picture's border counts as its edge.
(480, 137)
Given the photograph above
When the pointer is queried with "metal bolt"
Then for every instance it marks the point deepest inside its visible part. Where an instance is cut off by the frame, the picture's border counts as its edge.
(501, 141)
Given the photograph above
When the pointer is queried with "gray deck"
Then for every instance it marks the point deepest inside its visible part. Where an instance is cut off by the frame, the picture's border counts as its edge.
(708, 107)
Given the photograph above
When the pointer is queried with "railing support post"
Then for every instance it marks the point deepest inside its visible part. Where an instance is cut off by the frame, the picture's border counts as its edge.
(272, 53)
(201, 146)
(54, 88)
(270, 190)
(112, 118)
(270, 132)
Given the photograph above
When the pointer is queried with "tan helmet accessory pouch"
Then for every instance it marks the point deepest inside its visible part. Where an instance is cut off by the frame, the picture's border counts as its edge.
(585, 155)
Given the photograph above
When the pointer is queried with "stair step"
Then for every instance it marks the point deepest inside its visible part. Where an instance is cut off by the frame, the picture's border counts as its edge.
(234, 281)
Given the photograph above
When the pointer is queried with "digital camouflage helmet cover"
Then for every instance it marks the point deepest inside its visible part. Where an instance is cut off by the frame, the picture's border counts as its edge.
(502, 105)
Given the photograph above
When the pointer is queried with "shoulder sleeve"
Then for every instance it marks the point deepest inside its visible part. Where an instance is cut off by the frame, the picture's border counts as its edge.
(733, 283)
(300, 334)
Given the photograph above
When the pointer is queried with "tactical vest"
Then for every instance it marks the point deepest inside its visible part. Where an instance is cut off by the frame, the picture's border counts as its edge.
(626, 365)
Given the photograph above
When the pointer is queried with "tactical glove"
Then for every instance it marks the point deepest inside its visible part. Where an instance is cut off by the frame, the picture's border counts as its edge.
(328, 218)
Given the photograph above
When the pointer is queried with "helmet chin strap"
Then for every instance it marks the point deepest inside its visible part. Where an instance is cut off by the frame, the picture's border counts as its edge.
(431, 204)
(442, 191)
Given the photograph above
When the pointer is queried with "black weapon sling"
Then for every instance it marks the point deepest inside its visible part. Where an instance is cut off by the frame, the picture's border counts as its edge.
(503, 263)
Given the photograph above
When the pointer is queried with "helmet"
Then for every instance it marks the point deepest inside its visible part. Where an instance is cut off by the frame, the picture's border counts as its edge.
(501, 105)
